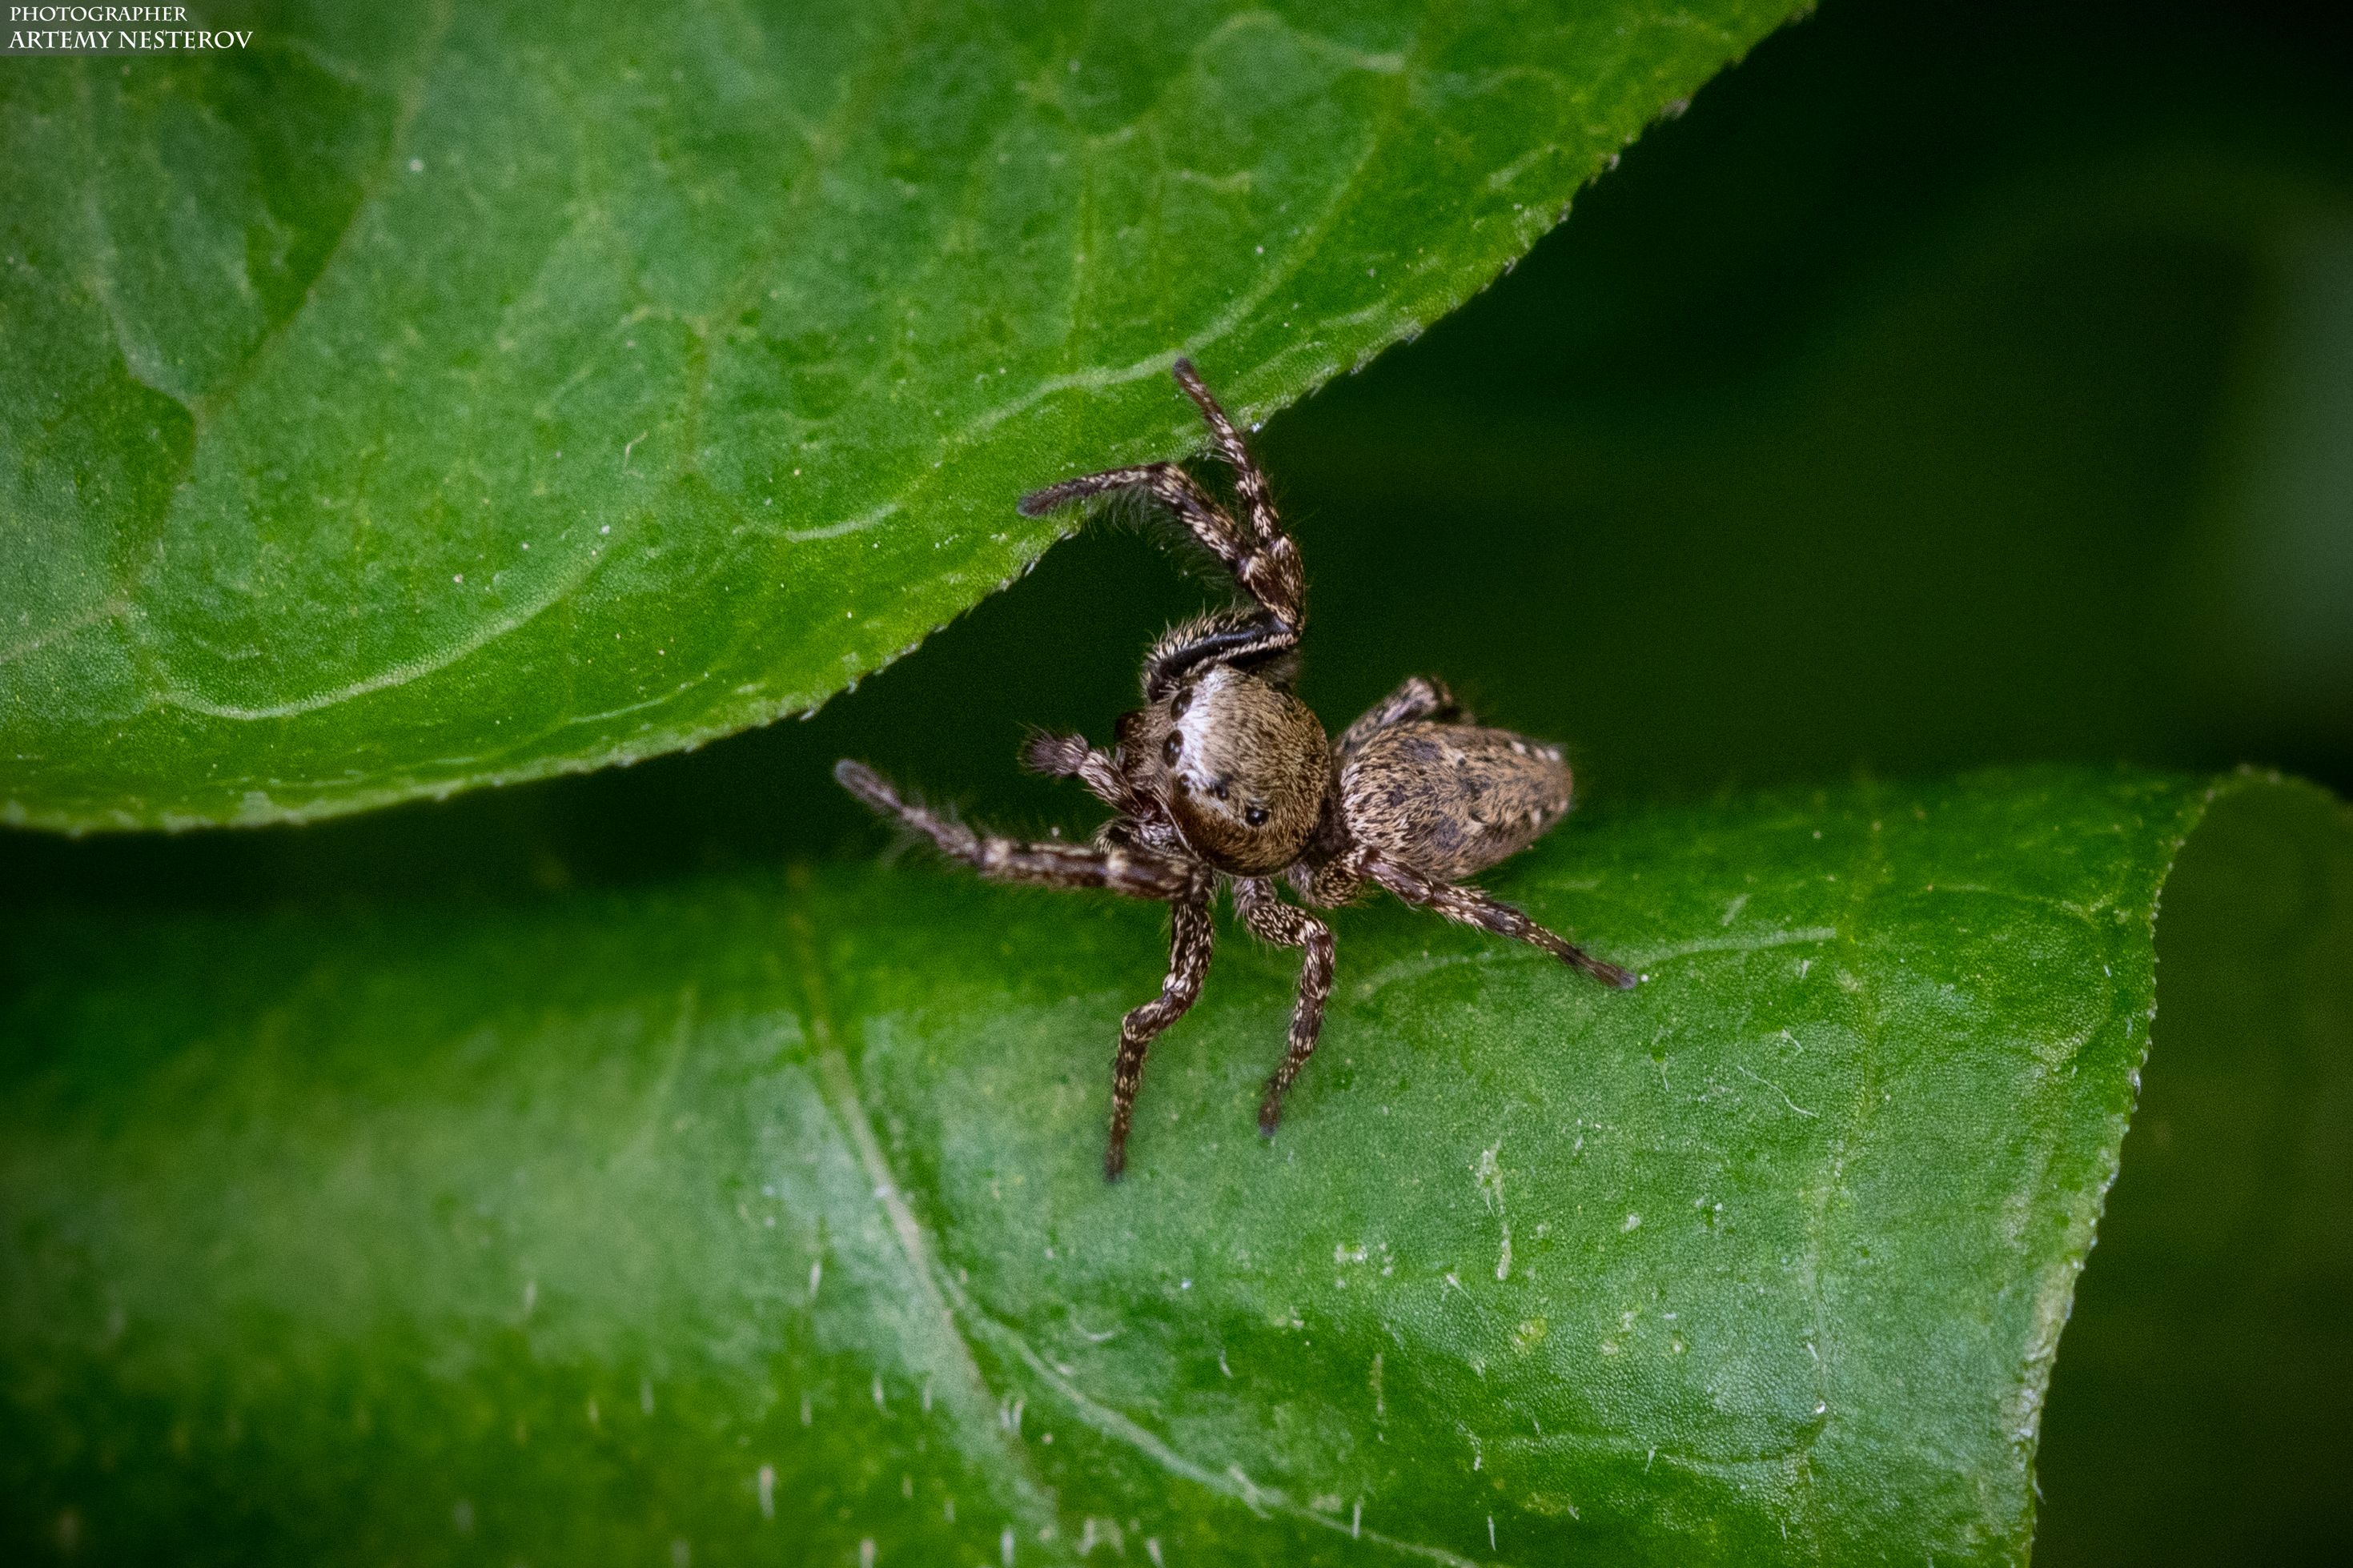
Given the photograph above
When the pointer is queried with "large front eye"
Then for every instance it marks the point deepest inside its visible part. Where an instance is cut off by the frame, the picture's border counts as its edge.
(1255, 816)
(1169, 748)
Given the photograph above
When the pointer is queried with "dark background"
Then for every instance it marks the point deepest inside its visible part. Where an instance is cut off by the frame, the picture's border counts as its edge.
(1950, 385)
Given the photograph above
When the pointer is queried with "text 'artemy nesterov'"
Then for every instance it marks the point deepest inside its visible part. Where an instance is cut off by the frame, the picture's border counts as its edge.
(114, 30)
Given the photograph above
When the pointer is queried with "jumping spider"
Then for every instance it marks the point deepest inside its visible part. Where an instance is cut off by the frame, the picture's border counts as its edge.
(1224, 778)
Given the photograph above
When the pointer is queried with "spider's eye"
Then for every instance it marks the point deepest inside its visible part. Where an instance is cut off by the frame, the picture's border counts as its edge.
(1169, 748)
(1218, 789)
(1255, 816)
(1178, 703)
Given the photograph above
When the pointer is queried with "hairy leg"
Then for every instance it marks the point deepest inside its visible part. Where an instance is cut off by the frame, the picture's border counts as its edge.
(1265, 564)
(1272, 920)
(1250, 483)
(1136, 872)
(1472, 907)
(1417, 698)
(1258, 553)
(1274, 578)
(1190, 939)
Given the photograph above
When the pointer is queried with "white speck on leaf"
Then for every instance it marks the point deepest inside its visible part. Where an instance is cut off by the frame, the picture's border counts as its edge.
(1491, 1188)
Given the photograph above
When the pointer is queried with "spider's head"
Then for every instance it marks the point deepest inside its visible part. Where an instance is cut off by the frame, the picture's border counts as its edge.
(1242, 765)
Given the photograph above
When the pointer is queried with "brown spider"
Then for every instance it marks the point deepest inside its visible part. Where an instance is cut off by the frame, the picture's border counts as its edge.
(1224, 778)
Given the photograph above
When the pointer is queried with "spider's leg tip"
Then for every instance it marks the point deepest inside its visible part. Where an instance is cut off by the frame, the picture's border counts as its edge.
(1037, 503)
(865, 784)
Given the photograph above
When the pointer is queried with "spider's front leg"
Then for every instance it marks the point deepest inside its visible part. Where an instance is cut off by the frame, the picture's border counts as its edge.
(1472, 907)
(1128, 869)
(1272, 920)
(1258, 553)
(1190, 940)
(1121, 865)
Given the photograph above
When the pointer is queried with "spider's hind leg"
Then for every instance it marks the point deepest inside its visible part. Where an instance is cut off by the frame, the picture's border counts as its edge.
(1417, 696)
(1472, 907)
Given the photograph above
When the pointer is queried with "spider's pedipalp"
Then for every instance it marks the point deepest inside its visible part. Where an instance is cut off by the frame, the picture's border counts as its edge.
(1054, 754)
(1070, 757)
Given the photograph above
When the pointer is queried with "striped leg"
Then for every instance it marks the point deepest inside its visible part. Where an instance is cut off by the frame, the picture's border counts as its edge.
(1272, 920)
(1472, 907)
(1416, 696)
(1133, 871)
(1256, 551)
(1190, 940)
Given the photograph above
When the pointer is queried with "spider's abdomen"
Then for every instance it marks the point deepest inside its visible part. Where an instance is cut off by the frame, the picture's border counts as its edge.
(1448, 800)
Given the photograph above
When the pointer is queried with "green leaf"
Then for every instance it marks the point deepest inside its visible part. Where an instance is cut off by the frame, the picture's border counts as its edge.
(422, 398)
(749, 1219)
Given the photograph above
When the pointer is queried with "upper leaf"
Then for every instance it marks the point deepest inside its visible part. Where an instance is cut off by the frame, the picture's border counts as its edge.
(429, 397)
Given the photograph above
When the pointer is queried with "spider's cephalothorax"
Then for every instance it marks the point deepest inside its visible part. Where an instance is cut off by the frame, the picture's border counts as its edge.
(1224, 778)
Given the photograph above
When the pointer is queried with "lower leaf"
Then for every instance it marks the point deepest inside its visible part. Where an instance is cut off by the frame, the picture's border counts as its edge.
(755, 1216)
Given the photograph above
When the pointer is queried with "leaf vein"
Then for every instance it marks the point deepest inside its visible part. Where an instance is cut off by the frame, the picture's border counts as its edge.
(965, 1389)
